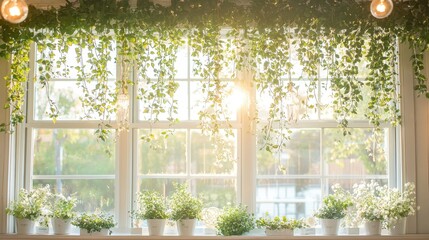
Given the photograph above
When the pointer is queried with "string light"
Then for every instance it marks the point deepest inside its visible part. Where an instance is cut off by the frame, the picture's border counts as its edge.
(381, 8)
(14, 11)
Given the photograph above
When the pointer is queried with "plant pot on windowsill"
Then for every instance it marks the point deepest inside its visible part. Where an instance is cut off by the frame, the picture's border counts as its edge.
(25, 226)
(185, 210)
(62, 213)
(279, 226)
(151, 207)
(95, 224)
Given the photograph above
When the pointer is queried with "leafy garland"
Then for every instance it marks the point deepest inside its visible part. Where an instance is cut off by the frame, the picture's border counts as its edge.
(332, 35)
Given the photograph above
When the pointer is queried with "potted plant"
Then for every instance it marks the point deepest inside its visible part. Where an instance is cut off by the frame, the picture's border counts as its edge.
(371, 205)
(62, 213)
(28, 208)
(400, 205)
(279, 226)
(185, 210)
(235, 220)
(333, 210)
(95, 224)
(152, 207)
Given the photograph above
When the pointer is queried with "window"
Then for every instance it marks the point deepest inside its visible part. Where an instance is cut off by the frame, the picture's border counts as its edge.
(67, 155)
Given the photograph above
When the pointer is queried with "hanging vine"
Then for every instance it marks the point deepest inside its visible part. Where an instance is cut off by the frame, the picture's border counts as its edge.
(331, 36)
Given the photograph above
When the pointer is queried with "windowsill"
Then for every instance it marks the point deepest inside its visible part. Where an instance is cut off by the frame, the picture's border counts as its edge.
(126, 237)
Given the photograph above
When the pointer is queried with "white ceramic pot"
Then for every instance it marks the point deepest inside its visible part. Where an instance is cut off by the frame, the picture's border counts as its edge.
(24, 226)
(61, 226)
(102, 232)
(399, 228)
(279, 232)
(330, 226)
(185, 227)
(372, 228)
(155, 227)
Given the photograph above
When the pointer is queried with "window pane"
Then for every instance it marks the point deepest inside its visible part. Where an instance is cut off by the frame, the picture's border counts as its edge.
(92, 194)
(164, 155)
(165, 186)
(301, 156)
(232, 103)
(181, 98)
(204, 152)
(71, 152)
(217, 192)
(295, 198)
(361, 153)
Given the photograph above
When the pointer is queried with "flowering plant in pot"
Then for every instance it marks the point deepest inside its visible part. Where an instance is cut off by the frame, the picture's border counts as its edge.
(333, 210)
(28, 208)
(279, 226)
(94, 223)
(62, 213)
(400, 205)
(152, 207)
(370, 201)
(185, 209)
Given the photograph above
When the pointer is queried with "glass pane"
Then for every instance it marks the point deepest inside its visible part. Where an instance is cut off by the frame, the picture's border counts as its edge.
(181, 102)
(92, 194)
(72, 61)
(181, 63)
(71, 152)
(301, 156)
(347, 184)
(295, 198)
(66, 95)
(204, 154)
(165, 186)
(165, 154)
(217, 192)
(361, 153)
(232, 103)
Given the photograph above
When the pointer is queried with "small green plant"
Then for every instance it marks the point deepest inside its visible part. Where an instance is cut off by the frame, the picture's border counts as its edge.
(183, 205)
(63, 207)
(280, 223)
(151, 205)
(235, 220)
(334, 205)
(30, 204)
(94, 222)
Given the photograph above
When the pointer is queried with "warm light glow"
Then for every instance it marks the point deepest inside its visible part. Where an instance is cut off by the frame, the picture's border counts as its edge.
(235, 99)
(14, 11)
(122, 110)
(381, 8)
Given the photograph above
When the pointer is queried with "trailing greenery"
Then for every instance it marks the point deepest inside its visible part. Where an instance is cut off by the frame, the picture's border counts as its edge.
(339, 38)
(151, 205)
(235, 220)
(94, 222)
(183, 205)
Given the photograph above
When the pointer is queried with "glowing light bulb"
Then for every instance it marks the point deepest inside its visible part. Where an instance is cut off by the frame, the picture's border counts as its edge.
(381, 8)
(14, 11)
